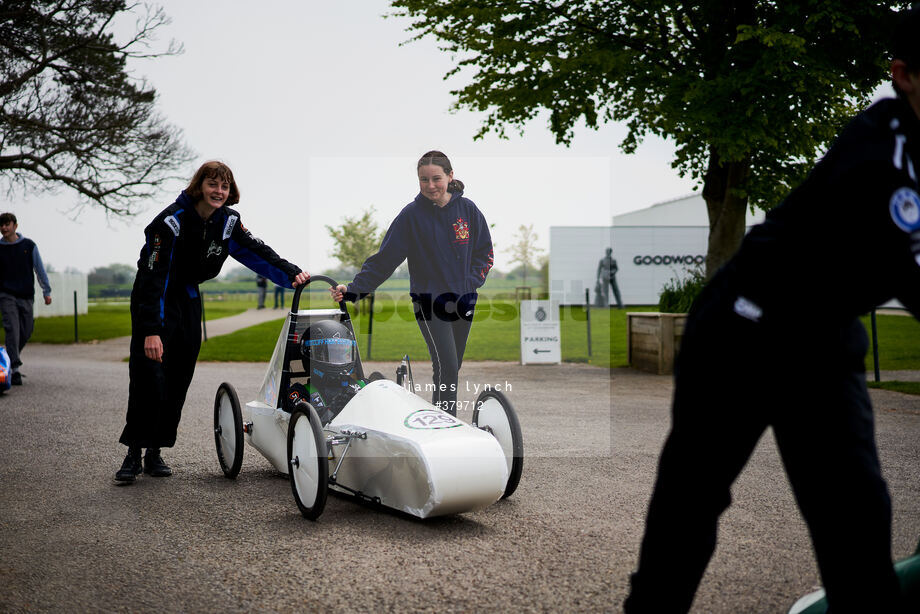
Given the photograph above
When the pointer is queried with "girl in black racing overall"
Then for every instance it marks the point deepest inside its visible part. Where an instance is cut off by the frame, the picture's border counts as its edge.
(447, 242)
(186, 244)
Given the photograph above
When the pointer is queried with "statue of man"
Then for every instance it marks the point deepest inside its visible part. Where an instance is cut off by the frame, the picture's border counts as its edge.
(606, 274)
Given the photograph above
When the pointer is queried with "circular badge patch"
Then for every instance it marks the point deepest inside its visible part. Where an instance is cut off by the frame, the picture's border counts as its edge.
(430, 419)
(905, 209)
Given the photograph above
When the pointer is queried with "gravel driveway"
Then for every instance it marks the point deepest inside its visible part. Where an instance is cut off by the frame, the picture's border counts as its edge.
(71, 540)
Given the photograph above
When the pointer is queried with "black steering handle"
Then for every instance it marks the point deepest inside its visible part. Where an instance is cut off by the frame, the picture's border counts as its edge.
(295, 303)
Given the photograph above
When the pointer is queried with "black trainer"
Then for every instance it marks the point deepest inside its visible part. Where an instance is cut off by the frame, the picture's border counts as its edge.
(131, 467)
(16, 380)
(154, 465)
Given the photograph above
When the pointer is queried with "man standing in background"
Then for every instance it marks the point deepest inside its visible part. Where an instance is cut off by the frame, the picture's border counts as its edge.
(19, 262)
(262, 286)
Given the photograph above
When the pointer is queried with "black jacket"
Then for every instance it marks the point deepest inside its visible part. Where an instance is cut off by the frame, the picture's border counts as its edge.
(848, 238)
(182, 250)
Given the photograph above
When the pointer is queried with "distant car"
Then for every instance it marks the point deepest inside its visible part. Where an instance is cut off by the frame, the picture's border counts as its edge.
(322, 422)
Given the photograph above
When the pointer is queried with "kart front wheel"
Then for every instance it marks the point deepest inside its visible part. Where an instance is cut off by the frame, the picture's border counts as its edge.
(308, 461)
(493, 412)
(228, 430)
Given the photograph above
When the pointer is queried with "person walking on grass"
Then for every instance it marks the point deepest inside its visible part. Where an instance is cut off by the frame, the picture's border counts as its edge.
(262, 288)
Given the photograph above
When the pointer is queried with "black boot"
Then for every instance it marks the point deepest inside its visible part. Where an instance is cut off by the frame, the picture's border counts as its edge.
(154, 465)
(131, 467)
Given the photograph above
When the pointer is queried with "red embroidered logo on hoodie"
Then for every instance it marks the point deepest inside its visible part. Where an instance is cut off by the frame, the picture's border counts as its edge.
(462, 231)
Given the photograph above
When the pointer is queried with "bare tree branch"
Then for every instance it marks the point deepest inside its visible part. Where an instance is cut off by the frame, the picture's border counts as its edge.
(71, 115)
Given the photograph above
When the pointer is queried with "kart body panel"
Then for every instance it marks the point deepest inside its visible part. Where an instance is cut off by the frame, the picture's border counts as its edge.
(415, 458)
(908, 572)
(267, 432)
(376, 439)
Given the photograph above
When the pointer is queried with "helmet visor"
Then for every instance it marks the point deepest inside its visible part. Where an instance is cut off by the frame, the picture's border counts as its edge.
(333, 351)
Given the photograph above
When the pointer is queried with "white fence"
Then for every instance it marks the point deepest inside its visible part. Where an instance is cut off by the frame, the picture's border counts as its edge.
(63, 286)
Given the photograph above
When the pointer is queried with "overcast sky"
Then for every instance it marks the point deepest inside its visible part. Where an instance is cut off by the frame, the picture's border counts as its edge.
(321, 113)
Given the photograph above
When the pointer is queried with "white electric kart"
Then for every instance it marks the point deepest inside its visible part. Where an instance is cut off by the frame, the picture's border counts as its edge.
(386, 446)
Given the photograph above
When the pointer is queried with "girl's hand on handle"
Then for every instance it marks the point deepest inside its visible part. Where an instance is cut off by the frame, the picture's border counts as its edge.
(301, 279)
(338, 293)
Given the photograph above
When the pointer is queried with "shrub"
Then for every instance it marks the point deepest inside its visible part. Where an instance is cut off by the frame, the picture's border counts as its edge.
(678, 295)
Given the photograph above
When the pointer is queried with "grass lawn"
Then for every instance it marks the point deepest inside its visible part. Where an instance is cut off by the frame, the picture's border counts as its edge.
(898, 342)
(107, 320)
(896, 386)
(495, 334)
(493, 287)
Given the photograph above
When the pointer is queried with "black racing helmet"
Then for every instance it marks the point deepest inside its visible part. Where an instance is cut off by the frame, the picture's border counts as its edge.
(329, 352)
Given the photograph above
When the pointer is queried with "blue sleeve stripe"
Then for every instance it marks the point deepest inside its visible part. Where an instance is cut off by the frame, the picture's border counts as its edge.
(258, 265)
(165, 286)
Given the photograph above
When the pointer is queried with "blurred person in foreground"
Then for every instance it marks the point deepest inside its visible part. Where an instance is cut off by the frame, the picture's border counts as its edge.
(856, 217)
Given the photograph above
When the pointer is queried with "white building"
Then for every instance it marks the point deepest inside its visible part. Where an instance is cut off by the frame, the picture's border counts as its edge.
(651, 246)
(684, 211)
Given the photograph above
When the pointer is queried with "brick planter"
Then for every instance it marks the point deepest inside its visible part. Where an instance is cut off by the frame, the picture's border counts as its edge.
(652, 340)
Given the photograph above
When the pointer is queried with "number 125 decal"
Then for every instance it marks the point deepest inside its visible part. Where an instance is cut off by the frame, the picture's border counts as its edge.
(430, 419)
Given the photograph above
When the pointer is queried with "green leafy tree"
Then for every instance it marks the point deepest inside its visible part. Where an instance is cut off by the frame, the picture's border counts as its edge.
(524, 249)
(339, 273)
(355, 239)
(748, 91)
(71, 113)
(112, 274)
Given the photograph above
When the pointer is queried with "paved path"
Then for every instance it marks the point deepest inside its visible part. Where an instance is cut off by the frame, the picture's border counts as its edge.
(118, 348)
(250, 317)
(71, 540)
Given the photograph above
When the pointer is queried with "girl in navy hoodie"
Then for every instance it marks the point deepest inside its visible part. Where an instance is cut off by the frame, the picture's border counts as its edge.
(446, 240)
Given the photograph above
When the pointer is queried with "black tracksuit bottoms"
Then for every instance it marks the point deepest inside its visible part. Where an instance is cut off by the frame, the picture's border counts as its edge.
(445, 332)
(734, 378)
(156, 392)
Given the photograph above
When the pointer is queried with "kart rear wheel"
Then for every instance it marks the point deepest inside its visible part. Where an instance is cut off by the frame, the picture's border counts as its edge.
(308, 461)
(494, 413)
(228, 430)
(375, 376)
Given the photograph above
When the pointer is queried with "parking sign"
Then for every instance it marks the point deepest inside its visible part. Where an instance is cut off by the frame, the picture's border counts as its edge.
(540, 332)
